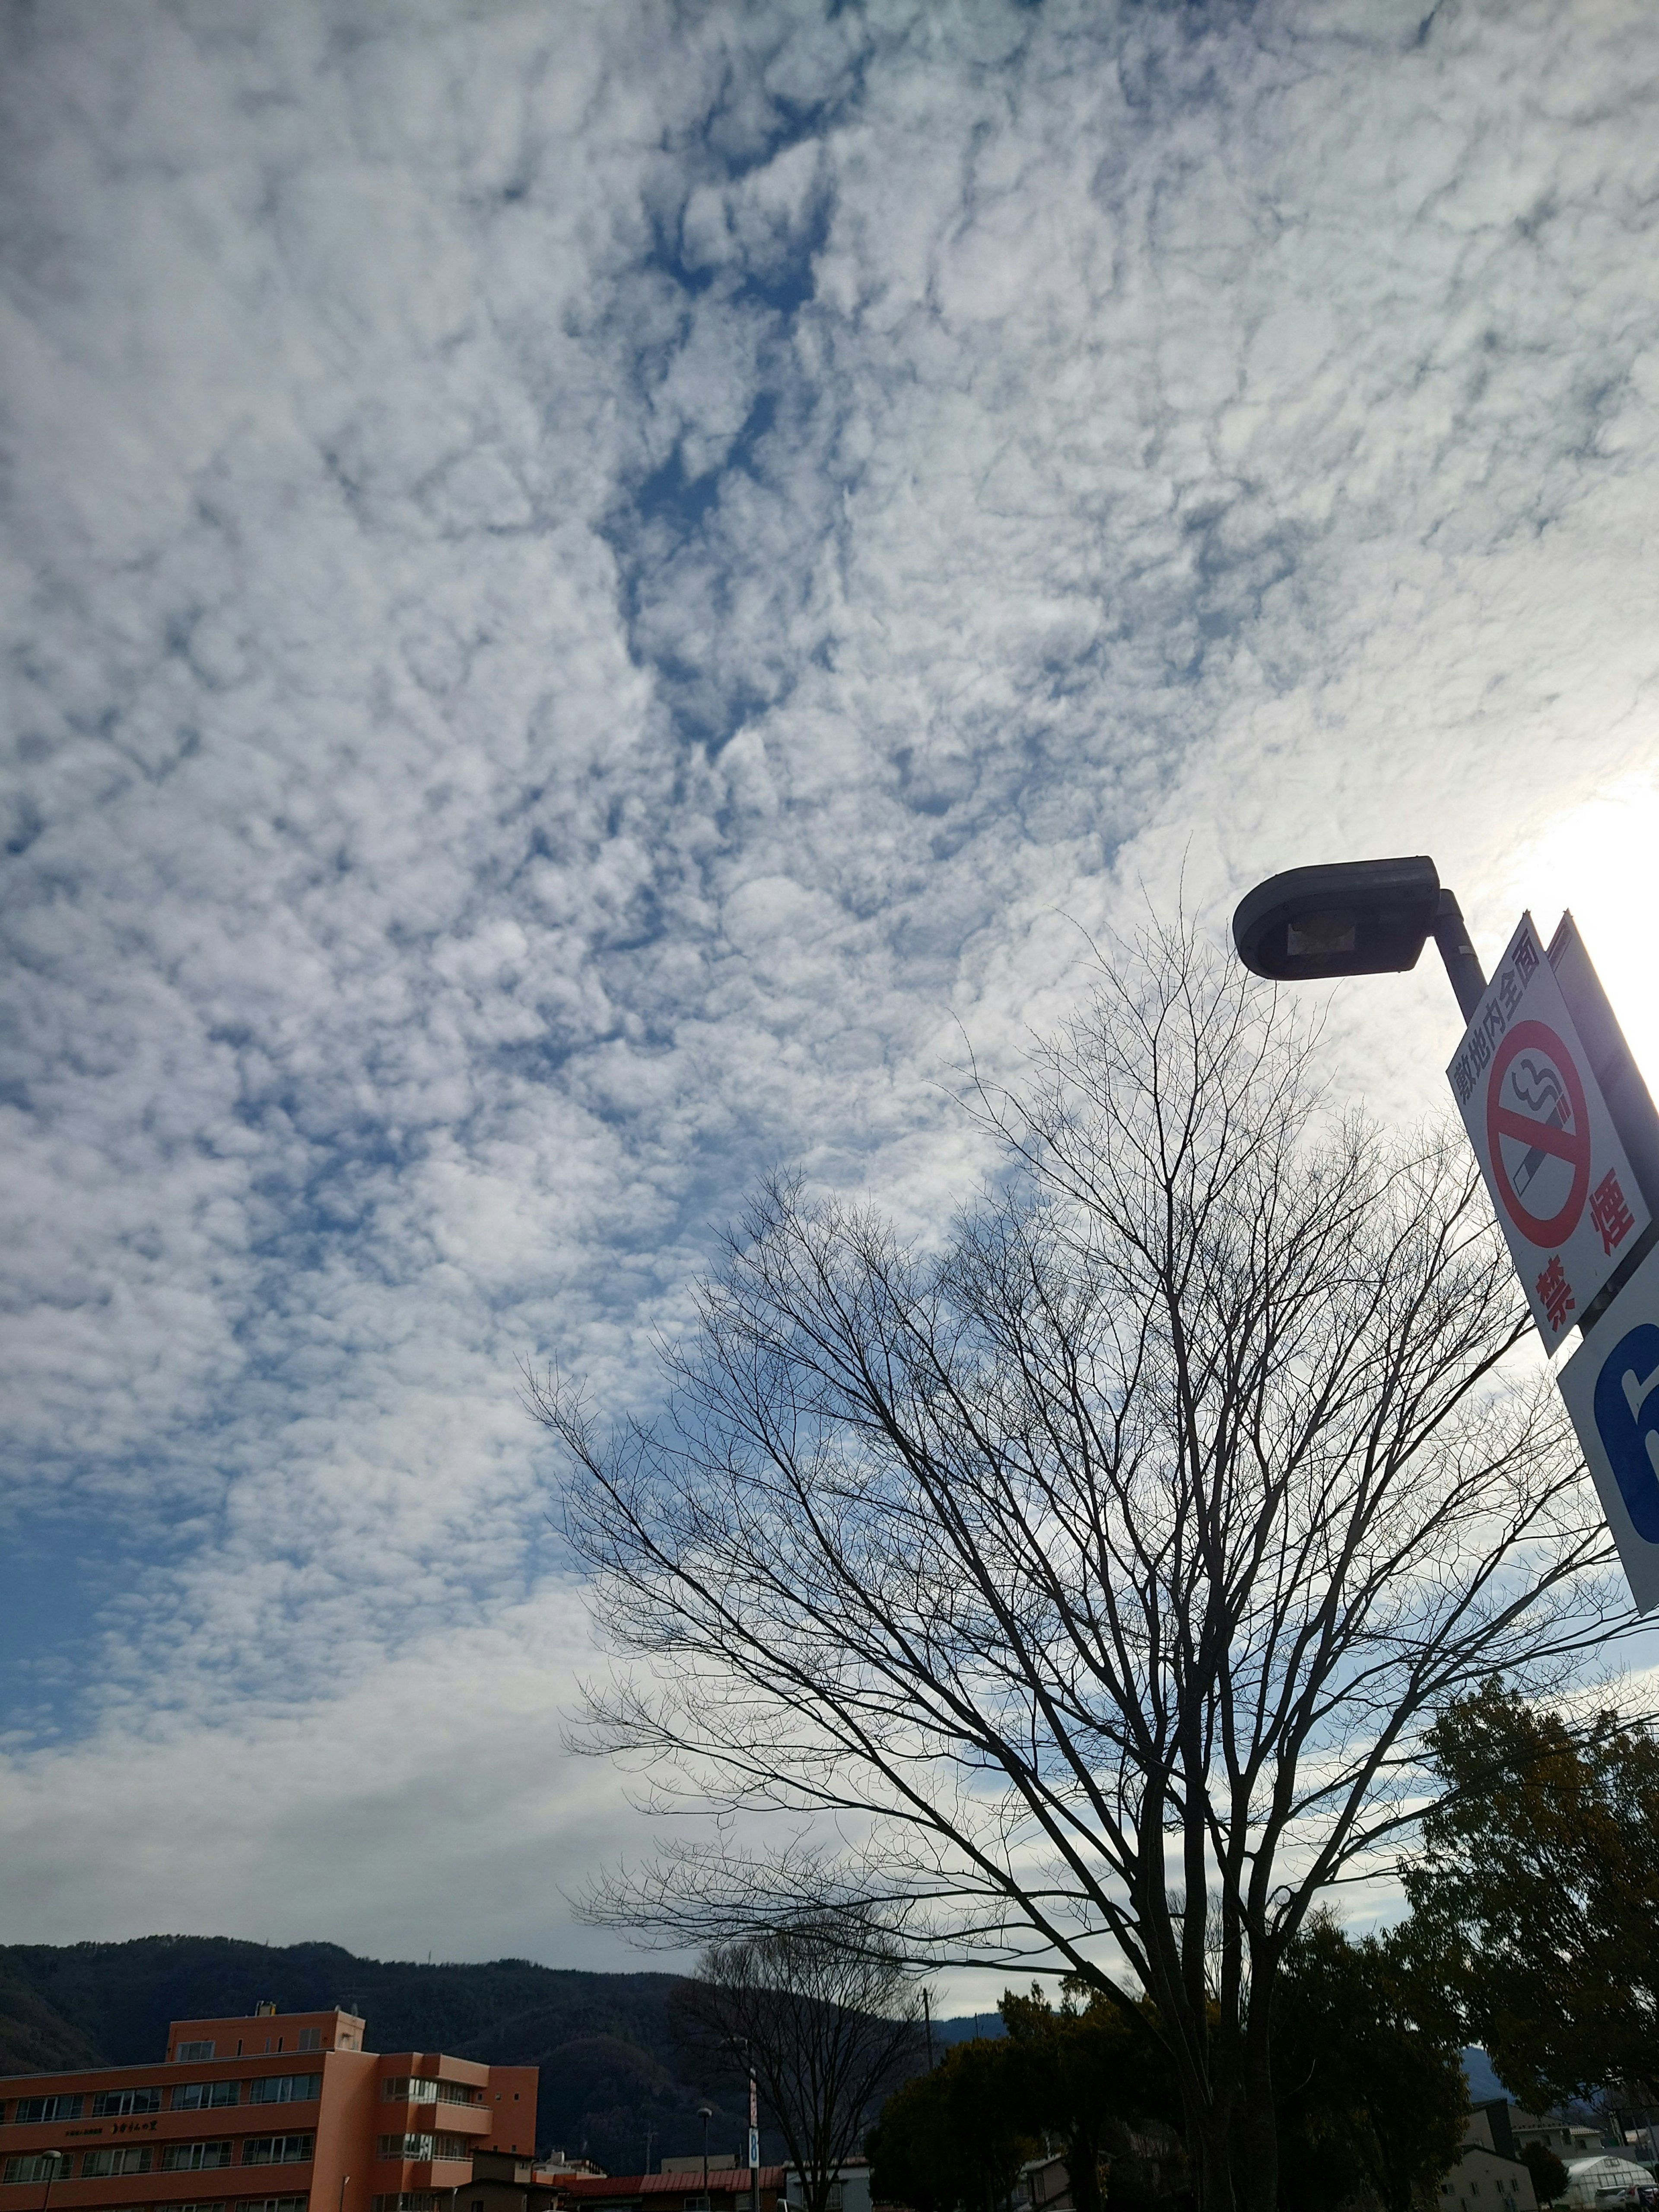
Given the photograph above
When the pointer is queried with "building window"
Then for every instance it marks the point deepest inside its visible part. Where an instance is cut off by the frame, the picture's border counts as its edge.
(405, 2146)
(423, 2146)
(38, 2166)
(278, 2150)
(49, 2108)
(118, 2104)
(408, 2199)
(205, 2096)
(187, 2052)
(426, 2089)
(195, 2158)
(285, 2089)
(243, 2205)
(132, 2158)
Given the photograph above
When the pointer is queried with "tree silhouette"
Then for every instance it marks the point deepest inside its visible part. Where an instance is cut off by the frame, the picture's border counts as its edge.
(1093, 1572)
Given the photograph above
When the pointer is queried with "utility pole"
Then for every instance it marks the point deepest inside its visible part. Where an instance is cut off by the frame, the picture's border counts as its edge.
(754, 2142)
(927, 2016)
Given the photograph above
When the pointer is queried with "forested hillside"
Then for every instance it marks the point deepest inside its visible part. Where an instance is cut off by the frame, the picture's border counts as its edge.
(609, 2068)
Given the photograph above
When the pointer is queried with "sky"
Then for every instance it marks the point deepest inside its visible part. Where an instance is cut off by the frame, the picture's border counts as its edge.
(592, 594)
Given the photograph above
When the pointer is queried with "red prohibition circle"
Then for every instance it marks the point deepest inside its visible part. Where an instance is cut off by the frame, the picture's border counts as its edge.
(1572, 1144)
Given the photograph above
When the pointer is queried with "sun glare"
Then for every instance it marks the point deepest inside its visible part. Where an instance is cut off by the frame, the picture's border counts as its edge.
(1601, 861)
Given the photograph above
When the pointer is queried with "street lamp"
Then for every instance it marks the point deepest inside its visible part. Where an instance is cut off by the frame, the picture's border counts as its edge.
(56, 2169)
(1356, 918)
(705, 2113)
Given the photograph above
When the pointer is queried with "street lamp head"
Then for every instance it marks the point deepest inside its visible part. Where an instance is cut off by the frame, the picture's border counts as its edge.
(1352, 917)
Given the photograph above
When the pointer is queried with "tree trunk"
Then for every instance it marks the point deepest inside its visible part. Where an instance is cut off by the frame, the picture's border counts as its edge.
(1083, 2168)
(1209, 2147)
(1259, 2136)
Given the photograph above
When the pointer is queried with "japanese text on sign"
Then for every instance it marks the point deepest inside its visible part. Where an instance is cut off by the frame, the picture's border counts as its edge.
(1494, 1015)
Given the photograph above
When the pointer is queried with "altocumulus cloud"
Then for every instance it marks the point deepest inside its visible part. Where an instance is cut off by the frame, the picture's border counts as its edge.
(583, 585)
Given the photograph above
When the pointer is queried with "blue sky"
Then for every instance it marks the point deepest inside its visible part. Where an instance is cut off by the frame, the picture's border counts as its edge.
(589, 591)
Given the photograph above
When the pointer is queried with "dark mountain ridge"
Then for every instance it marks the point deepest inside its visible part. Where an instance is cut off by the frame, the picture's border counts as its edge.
(610, 2071)
(612, 2077)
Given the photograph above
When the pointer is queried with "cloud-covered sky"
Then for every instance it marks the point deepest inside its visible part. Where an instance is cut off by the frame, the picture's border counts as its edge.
(588, 589)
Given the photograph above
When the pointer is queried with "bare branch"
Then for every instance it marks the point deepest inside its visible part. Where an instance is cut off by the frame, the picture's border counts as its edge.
(1123, 1550)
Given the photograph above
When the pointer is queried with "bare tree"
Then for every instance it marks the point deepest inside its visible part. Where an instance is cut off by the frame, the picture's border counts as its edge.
(826, 2012)
(1097, 1574)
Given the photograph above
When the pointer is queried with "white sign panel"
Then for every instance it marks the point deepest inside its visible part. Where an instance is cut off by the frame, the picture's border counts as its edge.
(1558, 1174)
(1611, 1385)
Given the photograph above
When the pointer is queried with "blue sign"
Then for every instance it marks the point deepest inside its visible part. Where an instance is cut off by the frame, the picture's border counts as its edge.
(1628, 1421)
(1614, 1399)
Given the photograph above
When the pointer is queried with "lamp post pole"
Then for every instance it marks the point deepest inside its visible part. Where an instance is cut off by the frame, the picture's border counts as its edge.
(1469, 978)
(705, 2113)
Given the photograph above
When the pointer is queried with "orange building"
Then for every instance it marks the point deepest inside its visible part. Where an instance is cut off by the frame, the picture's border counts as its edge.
(277, 2112)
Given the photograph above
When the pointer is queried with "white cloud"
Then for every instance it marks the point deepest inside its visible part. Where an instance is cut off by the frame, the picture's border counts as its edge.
(580, 586)
(427, 1800)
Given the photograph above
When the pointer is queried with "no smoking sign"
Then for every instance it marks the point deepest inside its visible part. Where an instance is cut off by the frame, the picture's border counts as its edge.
(1560, 1178)
(1538, 1134)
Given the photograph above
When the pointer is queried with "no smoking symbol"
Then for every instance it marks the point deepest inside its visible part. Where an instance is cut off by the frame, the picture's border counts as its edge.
(1546, 1113)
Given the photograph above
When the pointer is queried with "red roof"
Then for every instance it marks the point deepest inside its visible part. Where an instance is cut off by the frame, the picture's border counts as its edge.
(723, 2180)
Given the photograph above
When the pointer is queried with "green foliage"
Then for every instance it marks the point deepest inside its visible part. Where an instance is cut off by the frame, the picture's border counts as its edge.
(1085, 2073)
(954, 2135)
(1368, 2073)
(1094, 2077)
(1369, 2087)
(1549, 2176)
(1536, 1897)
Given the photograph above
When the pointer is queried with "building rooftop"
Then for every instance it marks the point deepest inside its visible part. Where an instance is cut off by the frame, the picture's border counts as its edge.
(723, 2181)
